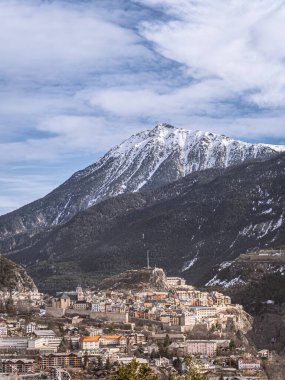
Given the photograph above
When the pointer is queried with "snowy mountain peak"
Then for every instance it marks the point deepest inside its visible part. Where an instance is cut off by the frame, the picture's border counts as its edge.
(147, 160)
(183, 149)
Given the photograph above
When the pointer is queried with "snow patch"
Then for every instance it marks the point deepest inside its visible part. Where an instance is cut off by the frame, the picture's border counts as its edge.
(215, 281)
(188, 264)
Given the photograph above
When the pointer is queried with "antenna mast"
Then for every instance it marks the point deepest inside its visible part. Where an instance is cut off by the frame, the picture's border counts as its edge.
(147, 253)
(147, 258)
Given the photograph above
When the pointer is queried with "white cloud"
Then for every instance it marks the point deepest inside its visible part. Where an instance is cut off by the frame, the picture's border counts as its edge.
(237, 41)
(70, 135)
(185, 101)
(60, 39)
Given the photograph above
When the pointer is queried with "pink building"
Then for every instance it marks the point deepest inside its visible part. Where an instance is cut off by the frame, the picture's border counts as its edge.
(203, 347)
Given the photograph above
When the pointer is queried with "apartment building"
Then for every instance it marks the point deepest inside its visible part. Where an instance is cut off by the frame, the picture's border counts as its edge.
(94, 342)
(60, 360)
(17, 365)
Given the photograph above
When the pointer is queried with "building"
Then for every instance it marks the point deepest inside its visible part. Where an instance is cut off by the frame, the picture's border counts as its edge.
(17, 365)
(89, 343)
(202, 311)
(16, 343)
(80, 294)
(202, 347)
(160, 337)
(3, 330)
(249, 363)
(94, 342)
(265, 354)
(44, 333)
(60, 360)
(175, 281)
(161, 362)
(96, 307)
(81, 305)
(62, 302)
(187, 320)
(93, 331)
(45, 344)
(30, 327)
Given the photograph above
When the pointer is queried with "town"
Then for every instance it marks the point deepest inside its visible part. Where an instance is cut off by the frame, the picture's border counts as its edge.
(88, 333)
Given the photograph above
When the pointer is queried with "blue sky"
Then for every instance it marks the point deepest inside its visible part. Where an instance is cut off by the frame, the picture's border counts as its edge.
(77, 77)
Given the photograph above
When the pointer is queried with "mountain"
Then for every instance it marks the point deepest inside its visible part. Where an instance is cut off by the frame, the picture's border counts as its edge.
(255, 276)
(146, 161)
(14, 278)
(189, 226)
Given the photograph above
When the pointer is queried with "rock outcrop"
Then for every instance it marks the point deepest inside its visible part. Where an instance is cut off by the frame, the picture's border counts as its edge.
(137, 279)
(14, 279)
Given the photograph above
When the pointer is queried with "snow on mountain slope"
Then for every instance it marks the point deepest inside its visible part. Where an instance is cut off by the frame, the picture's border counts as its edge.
(147, 160)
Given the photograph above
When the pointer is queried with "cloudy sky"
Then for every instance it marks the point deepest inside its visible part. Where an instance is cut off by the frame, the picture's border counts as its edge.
(77, 77)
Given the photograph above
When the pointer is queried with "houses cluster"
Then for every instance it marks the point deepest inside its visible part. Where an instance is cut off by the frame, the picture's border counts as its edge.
(95, 329)
(32, 295)
(181, 306)
(31, 347)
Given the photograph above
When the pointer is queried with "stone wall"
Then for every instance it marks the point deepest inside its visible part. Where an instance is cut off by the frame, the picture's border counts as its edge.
(113, 317)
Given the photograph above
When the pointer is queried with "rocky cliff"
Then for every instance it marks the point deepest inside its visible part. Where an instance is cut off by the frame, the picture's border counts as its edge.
(14, 279)
(138, 280)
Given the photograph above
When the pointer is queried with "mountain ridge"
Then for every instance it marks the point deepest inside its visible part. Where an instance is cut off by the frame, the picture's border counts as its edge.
(190, 226)
(145, 161)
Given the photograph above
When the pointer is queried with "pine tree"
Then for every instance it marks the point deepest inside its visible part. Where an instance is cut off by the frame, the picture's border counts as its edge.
(232, 345)
(10, 309)
(108, 365)
(167, 341)
(177, 364)
(194, 372)
(99, 363)
(134, 371)
(85, 360)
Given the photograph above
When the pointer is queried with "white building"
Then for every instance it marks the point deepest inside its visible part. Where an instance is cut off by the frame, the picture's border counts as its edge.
(3, 330)
(95, 331)
(175, 281)
(44, 333)
(202, 311)
(30, 327)
(161, 362)
(89, 343)
(14, 342)
(49, 344)
(249, 363)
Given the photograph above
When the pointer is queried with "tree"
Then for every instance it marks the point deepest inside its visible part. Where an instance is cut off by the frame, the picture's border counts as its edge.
(10, 309)
(174, 376)
(134, 371)
(2, 307)
(85, 360)
(194, 366)
(63, 345)
(232, 345)
(153, 355)
(70, 345)
(99, 363)
(167, 341)
(177, 364)
(108, 365)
